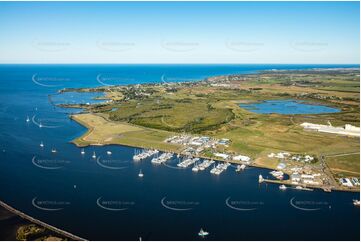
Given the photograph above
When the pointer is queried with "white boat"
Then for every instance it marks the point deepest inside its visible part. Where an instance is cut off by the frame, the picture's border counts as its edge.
(53, 150)
(144, 154)
(221, 167)
(356, 202)
(162, 158)
(260, 179)
(277, 174)
(240, 167)
(27, 119)
(40, 125)
(94, 155)
(82, 152)
(282, 187)
(140, 173)
(195, 168)
(303, 188)
(41, 144)
(203, 233)
(109, 152)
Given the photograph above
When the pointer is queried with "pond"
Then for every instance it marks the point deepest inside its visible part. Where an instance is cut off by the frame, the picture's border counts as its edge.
(287, 107)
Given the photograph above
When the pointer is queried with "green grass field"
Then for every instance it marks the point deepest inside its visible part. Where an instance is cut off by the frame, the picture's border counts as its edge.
(346, 165)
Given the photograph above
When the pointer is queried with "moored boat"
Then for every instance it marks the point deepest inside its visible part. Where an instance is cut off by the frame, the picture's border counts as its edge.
(282, 187)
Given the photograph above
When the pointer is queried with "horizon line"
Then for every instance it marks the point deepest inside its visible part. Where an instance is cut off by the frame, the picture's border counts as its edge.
(161, 63)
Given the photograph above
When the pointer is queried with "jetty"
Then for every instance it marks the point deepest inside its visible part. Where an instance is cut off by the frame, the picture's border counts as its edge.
(187, 162)
(162, 158)
(221, 167)
(205, 164)
(41, 223)
(144, 154)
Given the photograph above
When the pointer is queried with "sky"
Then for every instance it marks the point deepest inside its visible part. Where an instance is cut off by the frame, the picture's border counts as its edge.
(180, 32)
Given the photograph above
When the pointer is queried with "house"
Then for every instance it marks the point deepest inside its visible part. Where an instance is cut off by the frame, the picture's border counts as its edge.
(221, 155)
(281, 166)
(241, 158)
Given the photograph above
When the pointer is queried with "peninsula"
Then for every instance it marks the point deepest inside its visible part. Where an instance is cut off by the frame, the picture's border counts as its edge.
(223, 111)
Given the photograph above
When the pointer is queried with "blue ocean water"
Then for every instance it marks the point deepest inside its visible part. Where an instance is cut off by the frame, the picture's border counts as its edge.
(104, 199)
(287, 107)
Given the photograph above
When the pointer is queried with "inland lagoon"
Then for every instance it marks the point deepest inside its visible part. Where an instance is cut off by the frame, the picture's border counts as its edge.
(287, 107)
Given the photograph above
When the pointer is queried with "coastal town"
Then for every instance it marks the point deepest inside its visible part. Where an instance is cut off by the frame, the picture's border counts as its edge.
(300, 171)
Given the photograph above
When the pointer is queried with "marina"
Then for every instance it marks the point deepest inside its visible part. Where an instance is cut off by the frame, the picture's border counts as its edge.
(187, 162)
(144, 154)
(221, 167)
(162, 158)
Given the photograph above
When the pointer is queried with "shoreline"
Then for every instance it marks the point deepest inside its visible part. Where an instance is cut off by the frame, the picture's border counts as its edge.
(286, 182)
(101, 130)
(41, 223)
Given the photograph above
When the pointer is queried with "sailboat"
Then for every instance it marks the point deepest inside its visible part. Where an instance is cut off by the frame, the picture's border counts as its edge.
(53, 150)
(41, 144)
(82, 152)
(94, 155)
(140, 173)
(27, 119)
(203, 233)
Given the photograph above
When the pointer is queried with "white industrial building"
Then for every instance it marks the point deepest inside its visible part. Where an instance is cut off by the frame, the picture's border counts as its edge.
(348, 130)
(241, 158)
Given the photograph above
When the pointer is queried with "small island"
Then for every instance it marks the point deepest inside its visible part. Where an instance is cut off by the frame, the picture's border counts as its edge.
(213, 118)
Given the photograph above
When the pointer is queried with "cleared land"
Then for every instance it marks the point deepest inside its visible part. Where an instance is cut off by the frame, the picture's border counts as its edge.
(101, 132)
(344, 165)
